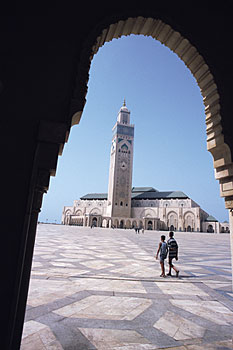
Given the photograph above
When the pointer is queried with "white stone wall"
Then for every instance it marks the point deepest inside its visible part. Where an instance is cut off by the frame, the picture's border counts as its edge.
(97, 207)
(208, 224)
(67, 211)
(224, 226)
(178, 214)
(218, 227)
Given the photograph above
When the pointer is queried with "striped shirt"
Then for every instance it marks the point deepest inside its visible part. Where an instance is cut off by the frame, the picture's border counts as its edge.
(172, 248)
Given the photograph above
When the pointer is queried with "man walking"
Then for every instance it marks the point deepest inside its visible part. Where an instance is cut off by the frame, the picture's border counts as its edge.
(172, 253)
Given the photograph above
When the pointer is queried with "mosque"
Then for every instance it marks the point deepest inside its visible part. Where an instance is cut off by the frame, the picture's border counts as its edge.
(127, 207)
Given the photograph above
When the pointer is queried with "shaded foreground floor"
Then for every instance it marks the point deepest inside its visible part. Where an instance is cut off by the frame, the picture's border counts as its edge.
(100, 289)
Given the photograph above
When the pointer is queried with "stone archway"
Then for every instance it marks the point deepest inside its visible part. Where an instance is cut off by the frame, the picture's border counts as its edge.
(128, 224)
(172, 220)
(95, 211)
(67, 215)
(149, 225)
(210, 228)
(189, 221)
(116, 223)
(78, 212)
(105, 223)
(148, 213)
(94, 222)
(53, 132)
(140, 224)
(194, 61)
(121, 224)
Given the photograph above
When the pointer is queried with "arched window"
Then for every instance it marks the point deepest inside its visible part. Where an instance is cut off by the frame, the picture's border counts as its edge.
(150, 225)
(121, 203)
(125, 119)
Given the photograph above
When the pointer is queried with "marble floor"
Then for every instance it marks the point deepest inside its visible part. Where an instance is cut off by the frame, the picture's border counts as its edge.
(99, 289)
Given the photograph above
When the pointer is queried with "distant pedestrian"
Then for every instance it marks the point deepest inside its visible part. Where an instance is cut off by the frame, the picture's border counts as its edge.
(172, 253)
(142, 229)
(162, 252)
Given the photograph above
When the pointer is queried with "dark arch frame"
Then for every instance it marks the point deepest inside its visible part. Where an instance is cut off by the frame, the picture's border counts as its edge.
(49, 127)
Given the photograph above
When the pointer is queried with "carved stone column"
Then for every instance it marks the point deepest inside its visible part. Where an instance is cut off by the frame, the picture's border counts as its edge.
(231, 238)
(41, 187)
(51, 138)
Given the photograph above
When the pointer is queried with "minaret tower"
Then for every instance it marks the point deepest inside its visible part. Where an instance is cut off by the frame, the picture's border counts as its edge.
(121, 166)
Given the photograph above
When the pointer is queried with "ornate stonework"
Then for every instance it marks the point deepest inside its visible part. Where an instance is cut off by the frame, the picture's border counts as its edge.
(121, 166)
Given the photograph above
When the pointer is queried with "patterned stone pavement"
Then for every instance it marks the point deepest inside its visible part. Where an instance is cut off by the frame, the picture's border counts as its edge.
(99, 289)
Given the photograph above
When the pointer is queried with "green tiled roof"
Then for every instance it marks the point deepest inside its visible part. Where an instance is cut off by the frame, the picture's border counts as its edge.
(210, 218)
(161, 195)
(143, 189)
(95, 196)
(141, 193)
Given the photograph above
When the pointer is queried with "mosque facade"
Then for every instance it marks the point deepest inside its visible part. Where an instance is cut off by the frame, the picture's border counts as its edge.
(127, 207)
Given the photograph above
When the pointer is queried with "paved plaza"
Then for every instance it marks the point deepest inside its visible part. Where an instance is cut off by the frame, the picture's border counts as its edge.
(99, 289)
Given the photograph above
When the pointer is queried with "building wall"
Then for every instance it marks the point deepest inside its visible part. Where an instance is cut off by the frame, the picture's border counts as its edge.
(174, 214)
(224, 227)
(216, 227)
(211, 226)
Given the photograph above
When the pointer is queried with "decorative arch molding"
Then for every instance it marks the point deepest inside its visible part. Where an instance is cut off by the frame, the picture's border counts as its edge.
(149, 213)
(193, 60)
(172, 212)
(95, 211)
(187, 213)
(68, 212)
(78, 212)
(128, 223)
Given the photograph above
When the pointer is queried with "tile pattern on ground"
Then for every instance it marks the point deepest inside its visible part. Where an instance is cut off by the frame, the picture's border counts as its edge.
(91, 288)
(106, 307)
(115, 339)
(38, 336)
(178, 327)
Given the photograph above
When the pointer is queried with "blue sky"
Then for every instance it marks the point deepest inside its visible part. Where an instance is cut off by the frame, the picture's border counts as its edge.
(170, 133)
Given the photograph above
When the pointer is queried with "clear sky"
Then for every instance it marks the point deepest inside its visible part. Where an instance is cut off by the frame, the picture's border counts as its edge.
(170, 133)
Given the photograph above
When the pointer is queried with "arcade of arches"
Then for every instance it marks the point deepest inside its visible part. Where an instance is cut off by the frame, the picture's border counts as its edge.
(43, 88)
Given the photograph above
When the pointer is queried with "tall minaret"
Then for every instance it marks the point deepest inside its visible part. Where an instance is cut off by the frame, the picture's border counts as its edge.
(121, 166)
